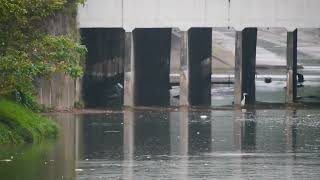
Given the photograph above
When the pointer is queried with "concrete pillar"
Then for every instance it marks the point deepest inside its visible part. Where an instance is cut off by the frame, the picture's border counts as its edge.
(129, 71)
(105, 51)
(200, 49)
(175, 51)
(245, 65)
(184, 70)
(291, 92)
(152, 66)
(195, 77)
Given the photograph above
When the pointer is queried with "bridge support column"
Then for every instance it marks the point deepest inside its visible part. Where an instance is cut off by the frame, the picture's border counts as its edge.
(152, 66)
(291, 92)
(195, 67)
(184, 70)
(104, 64)
(245, 65)
(129, 71)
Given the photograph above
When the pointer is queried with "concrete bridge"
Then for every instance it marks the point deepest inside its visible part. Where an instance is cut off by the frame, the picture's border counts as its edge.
(143, 28)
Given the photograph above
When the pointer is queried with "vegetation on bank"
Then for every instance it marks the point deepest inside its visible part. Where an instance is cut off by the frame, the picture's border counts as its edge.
(29, 51)
(19, 124)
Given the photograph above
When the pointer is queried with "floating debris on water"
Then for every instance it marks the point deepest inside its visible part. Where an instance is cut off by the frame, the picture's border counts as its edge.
(111, 131)
(6, 160)
(203, 116)
(267, 79)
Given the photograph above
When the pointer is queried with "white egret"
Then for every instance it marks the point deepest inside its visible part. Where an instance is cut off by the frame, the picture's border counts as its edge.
(243, 102)
(120, 85)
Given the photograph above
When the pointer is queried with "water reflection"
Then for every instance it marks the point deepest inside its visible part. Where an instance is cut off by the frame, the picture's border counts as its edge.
(64, 154)
(128, 144)
(175, 145)
(48, 160)
(179, 133)
(179, 142)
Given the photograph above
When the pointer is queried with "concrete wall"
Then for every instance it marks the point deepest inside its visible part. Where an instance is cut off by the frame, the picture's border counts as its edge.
(184, 14)
(60, 91)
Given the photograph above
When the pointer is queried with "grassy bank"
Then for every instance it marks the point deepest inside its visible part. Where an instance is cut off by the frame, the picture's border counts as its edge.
(19, 125)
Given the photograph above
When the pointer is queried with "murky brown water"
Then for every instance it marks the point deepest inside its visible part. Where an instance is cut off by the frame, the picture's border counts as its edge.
(231, 144)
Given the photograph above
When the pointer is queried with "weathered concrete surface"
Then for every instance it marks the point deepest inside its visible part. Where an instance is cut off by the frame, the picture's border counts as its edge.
(175, 51)
(245, 65)
(291, 92)
(152, 66)
(60, 92)
(185, 14)
(238, 69)
(129, 71)
(184, 70)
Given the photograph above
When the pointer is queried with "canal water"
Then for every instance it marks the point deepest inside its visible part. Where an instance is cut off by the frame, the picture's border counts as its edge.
(173, 144)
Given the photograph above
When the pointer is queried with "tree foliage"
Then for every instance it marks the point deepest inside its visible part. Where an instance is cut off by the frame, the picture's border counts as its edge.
(27, 51)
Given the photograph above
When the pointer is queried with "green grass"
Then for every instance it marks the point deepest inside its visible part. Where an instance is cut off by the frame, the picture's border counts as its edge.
(18, 124)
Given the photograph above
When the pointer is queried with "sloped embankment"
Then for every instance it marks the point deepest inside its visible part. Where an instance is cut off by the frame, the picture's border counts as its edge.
(19, 125)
